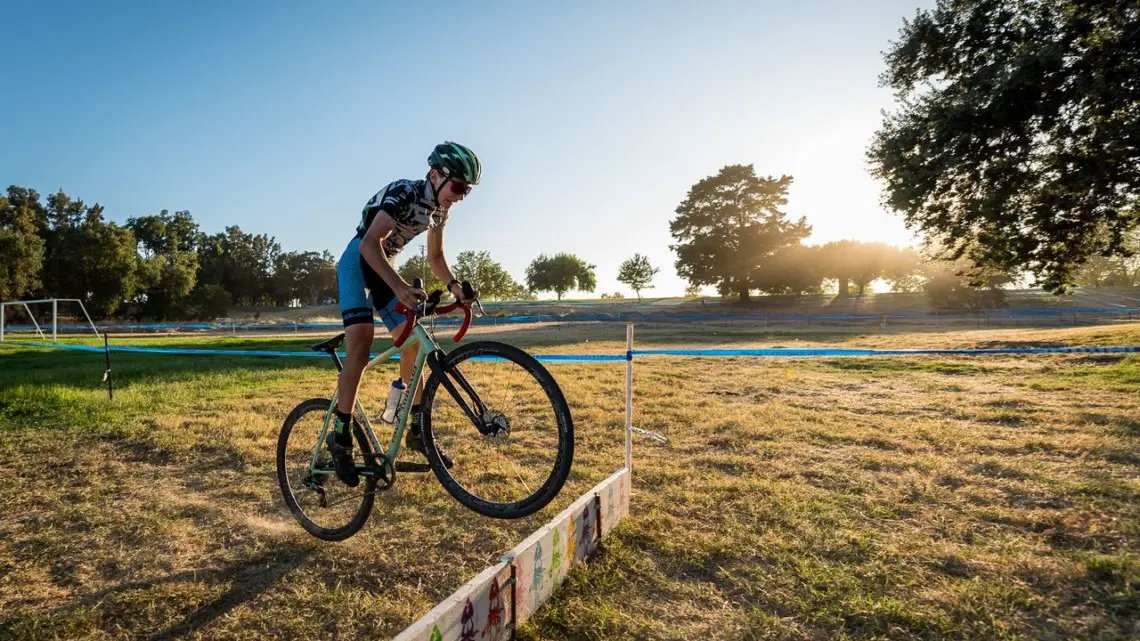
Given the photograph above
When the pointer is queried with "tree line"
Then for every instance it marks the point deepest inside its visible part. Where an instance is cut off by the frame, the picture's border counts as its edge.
(731, 233)
(160, 266)
(163, 266)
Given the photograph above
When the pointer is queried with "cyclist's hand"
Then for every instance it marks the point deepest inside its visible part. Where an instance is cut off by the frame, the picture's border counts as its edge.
(409, 296)
(464, 292)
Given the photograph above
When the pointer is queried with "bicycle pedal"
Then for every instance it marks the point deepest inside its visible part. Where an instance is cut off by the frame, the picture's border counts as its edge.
(416, 468)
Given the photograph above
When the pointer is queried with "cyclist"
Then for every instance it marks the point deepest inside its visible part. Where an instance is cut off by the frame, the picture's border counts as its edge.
(396, 214)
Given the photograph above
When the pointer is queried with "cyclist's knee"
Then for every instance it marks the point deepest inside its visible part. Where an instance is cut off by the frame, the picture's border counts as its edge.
(359, 342)
(397, 330)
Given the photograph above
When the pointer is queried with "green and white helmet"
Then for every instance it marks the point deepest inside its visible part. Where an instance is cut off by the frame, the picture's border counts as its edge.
(453, 160)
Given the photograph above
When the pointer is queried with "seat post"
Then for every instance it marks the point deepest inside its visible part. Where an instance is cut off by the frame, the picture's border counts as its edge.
(336, 359)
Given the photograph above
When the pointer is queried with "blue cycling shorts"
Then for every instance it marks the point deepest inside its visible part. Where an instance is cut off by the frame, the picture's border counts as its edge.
(361, 290)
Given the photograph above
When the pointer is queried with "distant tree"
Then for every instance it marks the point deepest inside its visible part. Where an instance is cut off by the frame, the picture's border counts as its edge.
(321, 283)
(1115, 271)
(167, 245)
(692, 291)
(869, 263)
(21, 247)
(210, 301)
(901, 270)
(303, 276)
(792, 269)
(861, 263)
(834, 262)
(1016, 141)
(417, 267)
(165, 233)
(524, 293)
(240, 262)
(488, 276)
(729, 225)
(87, 257)
(962, 285)
(559, 274)
(638, 273)
(109, 265)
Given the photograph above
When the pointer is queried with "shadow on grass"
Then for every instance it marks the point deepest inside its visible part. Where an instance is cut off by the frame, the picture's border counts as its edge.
(247, 579)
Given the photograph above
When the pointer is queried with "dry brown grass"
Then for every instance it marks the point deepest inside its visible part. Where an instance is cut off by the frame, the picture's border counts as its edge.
(925, 497)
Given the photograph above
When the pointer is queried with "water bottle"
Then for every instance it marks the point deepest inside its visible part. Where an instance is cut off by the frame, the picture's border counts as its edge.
(395, 395)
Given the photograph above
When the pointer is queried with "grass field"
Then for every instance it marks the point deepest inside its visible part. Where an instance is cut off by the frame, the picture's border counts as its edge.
(886, 497)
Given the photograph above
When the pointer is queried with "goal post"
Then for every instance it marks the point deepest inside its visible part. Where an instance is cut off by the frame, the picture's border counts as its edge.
(5, 316)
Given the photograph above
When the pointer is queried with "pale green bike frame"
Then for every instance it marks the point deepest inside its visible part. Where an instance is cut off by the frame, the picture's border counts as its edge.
(418, 336)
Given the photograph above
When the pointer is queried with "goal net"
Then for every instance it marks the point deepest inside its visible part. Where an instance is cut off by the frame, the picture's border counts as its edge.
(46, 319)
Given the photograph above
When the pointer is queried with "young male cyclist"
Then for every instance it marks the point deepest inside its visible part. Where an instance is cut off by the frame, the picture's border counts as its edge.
(395, 215)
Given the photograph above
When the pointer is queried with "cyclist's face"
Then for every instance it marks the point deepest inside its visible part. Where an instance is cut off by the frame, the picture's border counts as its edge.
(450, 191)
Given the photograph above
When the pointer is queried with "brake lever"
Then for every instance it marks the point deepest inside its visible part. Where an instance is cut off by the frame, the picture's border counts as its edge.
(431, 302)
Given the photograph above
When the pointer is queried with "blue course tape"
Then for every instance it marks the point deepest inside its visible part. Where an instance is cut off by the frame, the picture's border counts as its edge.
(790, 351)
(630, 355)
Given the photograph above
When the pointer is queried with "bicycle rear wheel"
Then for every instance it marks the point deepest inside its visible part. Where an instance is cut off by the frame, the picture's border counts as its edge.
(519, 461)
(325, 507)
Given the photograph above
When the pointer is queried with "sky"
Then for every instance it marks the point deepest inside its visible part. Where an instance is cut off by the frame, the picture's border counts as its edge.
(592, 119)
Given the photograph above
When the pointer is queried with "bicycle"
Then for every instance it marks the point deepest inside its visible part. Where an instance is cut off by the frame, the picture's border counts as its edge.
(538, 431)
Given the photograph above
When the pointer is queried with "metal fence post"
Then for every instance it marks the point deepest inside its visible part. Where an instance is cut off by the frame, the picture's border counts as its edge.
(629, 398)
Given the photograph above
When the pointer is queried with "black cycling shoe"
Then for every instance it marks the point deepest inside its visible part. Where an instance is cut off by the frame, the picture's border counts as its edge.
(414, 441)
(342, 461)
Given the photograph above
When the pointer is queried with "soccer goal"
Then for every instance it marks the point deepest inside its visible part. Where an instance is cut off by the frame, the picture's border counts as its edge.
(19, 311)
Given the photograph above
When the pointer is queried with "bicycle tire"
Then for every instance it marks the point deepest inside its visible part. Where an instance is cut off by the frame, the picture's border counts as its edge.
(563, 459)
(369, 484)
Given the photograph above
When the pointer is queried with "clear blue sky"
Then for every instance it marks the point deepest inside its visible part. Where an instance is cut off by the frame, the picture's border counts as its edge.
(592, 119)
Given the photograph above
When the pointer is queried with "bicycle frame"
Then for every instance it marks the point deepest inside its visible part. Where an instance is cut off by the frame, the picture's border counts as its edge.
(420, 337)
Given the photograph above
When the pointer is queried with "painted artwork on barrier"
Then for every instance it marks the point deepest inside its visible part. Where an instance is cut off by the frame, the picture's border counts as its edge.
(585, 531)
(480, 611)
(520, 586)
(496, 619)
(537, 575)
(615, 502)
(474, 613)
(556, 572)
(571, 543)
(467, 631)
(542, 560)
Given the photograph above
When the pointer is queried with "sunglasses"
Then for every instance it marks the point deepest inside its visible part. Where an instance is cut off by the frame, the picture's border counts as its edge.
(460, 188)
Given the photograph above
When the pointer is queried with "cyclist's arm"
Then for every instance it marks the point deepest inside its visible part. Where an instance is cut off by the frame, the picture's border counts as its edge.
(373, 252)
(435, 256)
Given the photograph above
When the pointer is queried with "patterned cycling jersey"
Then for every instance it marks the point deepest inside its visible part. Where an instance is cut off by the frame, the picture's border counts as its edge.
(412, 205)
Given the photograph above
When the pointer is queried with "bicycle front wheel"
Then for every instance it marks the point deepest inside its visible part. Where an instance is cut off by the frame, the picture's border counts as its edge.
(507, 428)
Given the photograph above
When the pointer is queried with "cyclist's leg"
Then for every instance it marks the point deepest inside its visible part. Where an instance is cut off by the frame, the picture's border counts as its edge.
(385, 301)
(356, 312)
(358, 345)
(394, 321)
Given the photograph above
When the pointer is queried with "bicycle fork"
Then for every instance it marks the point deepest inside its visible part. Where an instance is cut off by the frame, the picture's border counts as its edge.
(445, 375)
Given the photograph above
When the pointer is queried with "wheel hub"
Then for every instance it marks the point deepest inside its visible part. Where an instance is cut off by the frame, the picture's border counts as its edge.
(497, 424)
